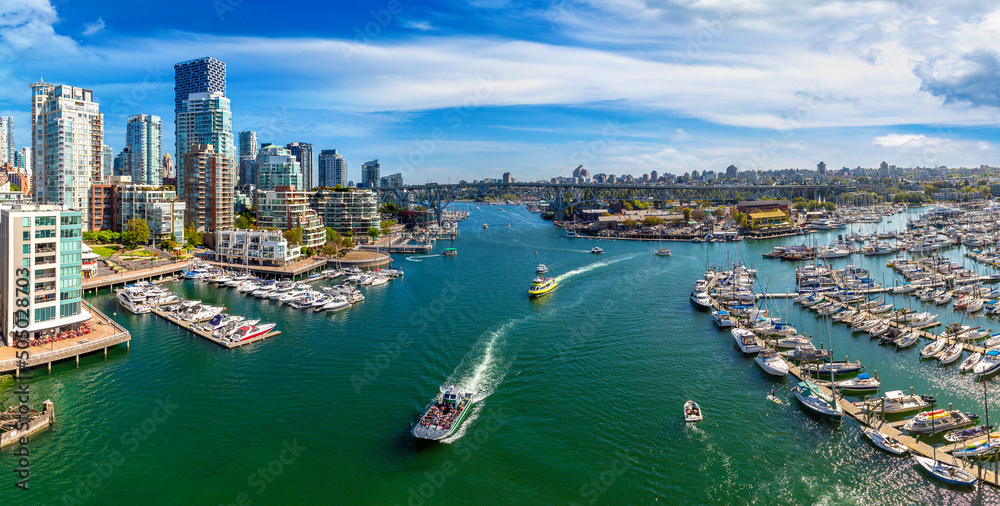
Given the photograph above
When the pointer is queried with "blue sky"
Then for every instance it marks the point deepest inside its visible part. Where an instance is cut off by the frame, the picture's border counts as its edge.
(472, 89)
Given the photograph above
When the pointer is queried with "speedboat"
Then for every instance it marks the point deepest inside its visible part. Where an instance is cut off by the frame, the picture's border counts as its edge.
(747, 341)
(596, 250)
(806, 352)
(897, 403)
(862, 383)
(335, 304)
(541, 286)
(885, 442)
(948, 473)
(247, 332)
(957, 436)
(701, 299)
(444, 416)
(722, 318)
(541, 269)
(662, 252)
(771, 362)
(816, 401)
(941, 420)
(692, 412)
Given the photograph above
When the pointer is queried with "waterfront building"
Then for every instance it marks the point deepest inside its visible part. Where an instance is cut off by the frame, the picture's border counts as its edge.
(46, 241)
(764, 219)
(276, 166)
(303, 152)
(205, 119)
(107, 163)
(67, 143)
(7, 149)
(754, 206)
(369, 174)
(164, 214)
(144, 137)
(332, 169)
(286, 208)
(248, 156)
(259, 247)
(391, 181)
(207, 188)
(347, 209)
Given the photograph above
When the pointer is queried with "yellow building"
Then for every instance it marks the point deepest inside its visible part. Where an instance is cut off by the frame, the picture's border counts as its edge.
(767, 219)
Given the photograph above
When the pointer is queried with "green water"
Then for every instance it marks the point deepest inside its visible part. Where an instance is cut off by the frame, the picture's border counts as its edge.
(579, 393)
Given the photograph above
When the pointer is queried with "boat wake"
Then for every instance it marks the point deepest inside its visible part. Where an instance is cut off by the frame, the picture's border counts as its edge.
(420, 258)
(595, 265)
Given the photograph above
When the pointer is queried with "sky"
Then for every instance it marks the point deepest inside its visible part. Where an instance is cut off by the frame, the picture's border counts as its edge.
(467, 89)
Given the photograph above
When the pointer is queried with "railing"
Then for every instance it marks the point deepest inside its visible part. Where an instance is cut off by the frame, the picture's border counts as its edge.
(41, 357)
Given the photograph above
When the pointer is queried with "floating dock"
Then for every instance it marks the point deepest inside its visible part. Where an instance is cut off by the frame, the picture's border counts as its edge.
(208, 335)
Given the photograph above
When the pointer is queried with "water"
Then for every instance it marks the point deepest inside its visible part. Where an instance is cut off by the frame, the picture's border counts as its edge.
(578, 393)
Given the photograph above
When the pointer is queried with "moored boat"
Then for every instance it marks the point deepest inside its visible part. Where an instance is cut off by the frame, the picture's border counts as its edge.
(816, 401)
(885, 442)
(747, 341)
(945, 472)
(771, 362)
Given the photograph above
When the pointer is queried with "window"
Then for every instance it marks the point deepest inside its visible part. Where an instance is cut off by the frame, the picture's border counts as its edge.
(69, 309)
(42, 234)
(69, 232)
(69, 283)
(45, 314)
(27, 249)
(70, 294)
(26, 262)
(45, 221)
(26, 222)
(27, 235)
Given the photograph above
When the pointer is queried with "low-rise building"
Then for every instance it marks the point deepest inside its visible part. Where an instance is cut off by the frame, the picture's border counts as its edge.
(43, 246)
(767, 219)
(285, 209)
(259, 247)
(346, 210)
(113, 205)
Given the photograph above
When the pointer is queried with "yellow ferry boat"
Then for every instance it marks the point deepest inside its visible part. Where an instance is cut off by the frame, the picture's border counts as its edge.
(541, 286)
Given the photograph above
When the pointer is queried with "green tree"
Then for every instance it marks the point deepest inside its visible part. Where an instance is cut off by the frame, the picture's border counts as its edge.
(630, 223)
(242, 222)
(652, 221)
(829, 206)
(136, 232)
(293, 236)
(687, 214)
(192, 236)
(347, 244)
(307, 251)
(332, 236)
(741, 219)
(386, 226)
(373, 234)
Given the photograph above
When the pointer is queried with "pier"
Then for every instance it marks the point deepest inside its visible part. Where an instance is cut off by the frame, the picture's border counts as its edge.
(11, 418)
(208, 335)
(134, 276)
(107, 333)
(868, 419)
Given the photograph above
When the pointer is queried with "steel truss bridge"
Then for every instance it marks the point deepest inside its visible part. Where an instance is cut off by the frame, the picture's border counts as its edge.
(561, 196)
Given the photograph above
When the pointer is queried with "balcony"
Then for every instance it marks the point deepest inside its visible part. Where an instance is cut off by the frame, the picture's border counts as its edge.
(41, 299)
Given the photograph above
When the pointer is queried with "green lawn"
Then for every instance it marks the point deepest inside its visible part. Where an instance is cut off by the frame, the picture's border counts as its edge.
(104, 251)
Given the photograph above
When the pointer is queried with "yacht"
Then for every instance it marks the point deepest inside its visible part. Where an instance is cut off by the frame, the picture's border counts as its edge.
(941, 420)
(570, 233)
(541, 269)
(896, 403)
(247, 332)
(133, 299)
(771, 362)
(722, 318)
(747, 341)
(597, 250)
(701, 300)
(335, 304)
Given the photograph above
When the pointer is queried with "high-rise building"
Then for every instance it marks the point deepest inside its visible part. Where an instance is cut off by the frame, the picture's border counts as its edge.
(120, 165)
(144, 138)
(732, 172)
(208, 184)
(23, 159)
(332, 169)
(285, 209)
(205, 118)
(369, 174)
(276, 166)
(507, 178)
(107, 163)
(248, 156)
(303, 152)
(167, 166)
(821, 168)
(396, 180)
(46, 241)
(67, 143)
(203, 75)
(7, 149)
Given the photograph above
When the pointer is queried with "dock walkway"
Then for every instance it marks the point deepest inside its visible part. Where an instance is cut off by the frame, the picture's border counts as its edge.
(208, 335)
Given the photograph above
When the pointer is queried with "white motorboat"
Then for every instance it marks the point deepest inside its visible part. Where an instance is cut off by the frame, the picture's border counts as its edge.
(861, 383)
(908, 339)
(335, 304)
(541, 269)
(701, 300)
(597, 250)
(747, 341)
(793, 342)
(989, 364)
(722, 318)
(896, 402)
(133, 300)
(771, 362)
(378, 280)
(248, 287)
(662, 252)
(885, 442)
(692, 412)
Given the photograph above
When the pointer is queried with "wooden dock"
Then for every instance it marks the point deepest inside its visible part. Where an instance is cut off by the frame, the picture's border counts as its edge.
(11, 419)
(134, 276)
(208, 335)
(891, 428)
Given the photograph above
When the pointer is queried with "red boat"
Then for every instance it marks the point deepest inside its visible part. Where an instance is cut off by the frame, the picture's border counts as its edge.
(251, 331)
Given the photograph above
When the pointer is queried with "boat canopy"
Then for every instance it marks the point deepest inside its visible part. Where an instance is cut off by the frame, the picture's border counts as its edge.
(992, 353)
(863, 376)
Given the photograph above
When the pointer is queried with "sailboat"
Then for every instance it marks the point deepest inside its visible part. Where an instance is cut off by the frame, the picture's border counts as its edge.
(948, 473)
(818, 402)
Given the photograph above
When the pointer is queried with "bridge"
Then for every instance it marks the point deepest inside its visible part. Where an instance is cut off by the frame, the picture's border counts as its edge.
(561, 196)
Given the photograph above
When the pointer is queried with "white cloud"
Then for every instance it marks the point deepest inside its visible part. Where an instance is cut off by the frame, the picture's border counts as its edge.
(420, 25)
(92, 28)
(896, 140)
(679, 135)
(26, 30)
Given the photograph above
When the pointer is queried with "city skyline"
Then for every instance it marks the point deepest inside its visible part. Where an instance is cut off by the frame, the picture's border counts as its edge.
(372, 84)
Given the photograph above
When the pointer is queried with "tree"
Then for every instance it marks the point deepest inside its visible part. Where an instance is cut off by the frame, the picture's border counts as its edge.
(136, 232)
(741, 219)
(719, 212)
(293, 236)
(386, 226)
(698, 214)
(373, 234)
(347, 244)
(652, 221)
(829, 206)
(168, 244)
(242, 222)
(192, 236)
(332, 236)
(307, 251)
(630, 223)
(687, 214)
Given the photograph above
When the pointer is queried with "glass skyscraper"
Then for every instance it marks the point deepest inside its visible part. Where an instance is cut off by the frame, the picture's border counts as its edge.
(248, 156)
(332, 169)
(144, 138)
(303, 152)
(276, 166)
